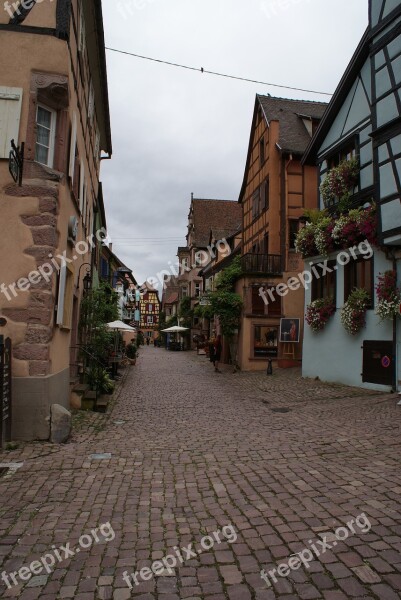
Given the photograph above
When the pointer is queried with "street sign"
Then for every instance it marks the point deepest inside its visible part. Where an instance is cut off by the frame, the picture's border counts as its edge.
(204, 301)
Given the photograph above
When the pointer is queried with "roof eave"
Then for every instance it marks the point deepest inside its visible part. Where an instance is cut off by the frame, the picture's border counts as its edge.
(343, 88)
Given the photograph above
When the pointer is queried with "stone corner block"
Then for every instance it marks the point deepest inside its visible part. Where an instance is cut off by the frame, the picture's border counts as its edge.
(60, 424)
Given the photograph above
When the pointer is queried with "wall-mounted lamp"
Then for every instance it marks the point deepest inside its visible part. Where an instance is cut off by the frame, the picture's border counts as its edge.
(87, 280)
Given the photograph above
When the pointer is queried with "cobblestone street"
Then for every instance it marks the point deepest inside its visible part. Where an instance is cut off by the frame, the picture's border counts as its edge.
(284, 461)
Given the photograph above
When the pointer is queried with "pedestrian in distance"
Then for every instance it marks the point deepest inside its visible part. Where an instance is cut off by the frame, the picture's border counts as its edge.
(217, 353)
(147, 341)
(211, 349)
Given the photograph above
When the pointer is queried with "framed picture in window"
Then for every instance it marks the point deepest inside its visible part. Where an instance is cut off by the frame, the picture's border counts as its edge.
(290, 330)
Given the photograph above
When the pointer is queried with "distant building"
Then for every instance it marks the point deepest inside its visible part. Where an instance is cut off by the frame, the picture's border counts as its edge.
(204, 215)
(149, 312)
(276, 190)
(170, 297)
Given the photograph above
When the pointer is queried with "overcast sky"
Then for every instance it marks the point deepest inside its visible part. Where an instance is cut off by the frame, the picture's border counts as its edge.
(177, 131)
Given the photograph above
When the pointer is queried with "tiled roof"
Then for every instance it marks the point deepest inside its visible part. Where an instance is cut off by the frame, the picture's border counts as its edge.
(224, 234)
(214, 214)
(172, 298)
(294, 136)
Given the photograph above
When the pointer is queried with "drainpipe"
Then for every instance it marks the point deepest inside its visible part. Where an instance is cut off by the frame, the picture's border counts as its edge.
(395, 375)
(284, 180)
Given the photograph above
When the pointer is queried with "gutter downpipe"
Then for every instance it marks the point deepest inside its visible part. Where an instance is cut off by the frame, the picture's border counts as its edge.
(284, 197)
(395, 374)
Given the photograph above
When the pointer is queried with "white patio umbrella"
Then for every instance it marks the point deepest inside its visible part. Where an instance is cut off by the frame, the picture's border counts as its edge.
(120, 326)
(175, 329)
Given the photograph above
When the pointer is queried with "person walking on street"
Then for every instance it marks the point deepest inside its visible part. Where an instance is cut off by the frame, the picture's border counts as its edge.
(211, 348)
(217, 353)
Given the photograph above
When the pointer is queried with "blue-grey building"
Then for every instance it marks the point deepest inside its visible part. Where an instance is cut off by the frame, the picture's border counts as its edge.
(362, 122)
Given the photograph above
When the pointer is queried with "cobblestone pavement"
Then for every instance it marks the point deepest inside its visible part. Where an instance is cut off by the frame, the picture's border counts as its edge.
(284, 461)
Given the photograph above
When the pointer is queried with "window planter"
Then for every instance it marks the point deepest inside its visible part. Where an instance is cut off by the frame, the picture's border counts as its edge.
(388, 296)
(339, 183)
(319, 312)
(353, 313)
(327, 235)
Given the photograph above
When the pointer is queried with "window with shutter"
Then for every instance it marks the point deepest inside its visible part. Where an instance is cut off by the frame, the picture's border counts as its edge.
(10, 114)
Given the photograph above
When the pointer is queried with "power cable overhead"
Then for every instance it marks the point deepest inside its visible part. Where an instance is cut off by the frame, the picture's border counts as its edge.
(205, 71)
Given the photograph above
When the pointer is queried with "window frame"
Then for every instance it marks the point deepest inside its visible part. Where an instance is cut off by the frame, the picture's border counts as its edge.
(318, 288)
(266, 354)
(52, 136)
(255, 200)
(350, 285)
(292, 234)
(262, 154)
(277, 303)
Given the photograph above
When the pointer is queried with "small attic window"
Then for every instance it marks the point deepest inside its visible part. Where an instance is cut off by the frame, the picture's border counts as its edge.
(308, 124)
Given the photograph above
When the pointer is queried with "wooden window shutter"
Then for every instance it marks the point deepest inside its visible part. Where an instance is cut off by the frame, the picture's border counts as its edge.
(72, 147)
(10, 115)
(81, 186)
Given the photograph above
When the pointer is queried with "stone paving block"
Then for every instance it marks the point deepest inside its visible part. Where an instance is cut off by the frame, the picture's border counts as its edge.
(187, 453)
(366, 574)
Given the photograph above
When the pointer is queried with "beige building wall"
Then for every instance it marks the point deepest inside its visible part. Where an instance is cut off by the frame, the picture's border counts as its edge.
(36, 216)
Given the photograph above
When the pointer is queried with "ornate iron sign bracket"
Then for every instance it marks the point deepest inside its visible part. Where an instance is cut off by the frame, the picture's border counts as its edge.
(16, 162)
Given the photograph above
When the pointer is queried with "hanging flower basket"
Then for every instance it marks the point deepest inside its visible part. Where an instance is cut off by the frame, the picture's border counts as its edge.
(353, 313)
(305, 241)
(388, 296)
(339, 183)
(319, 312)
(328, 234)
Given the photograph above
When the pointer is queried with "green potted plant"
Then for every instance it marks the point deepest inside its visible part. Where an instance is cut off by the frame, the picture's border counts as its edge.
(132, 353)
